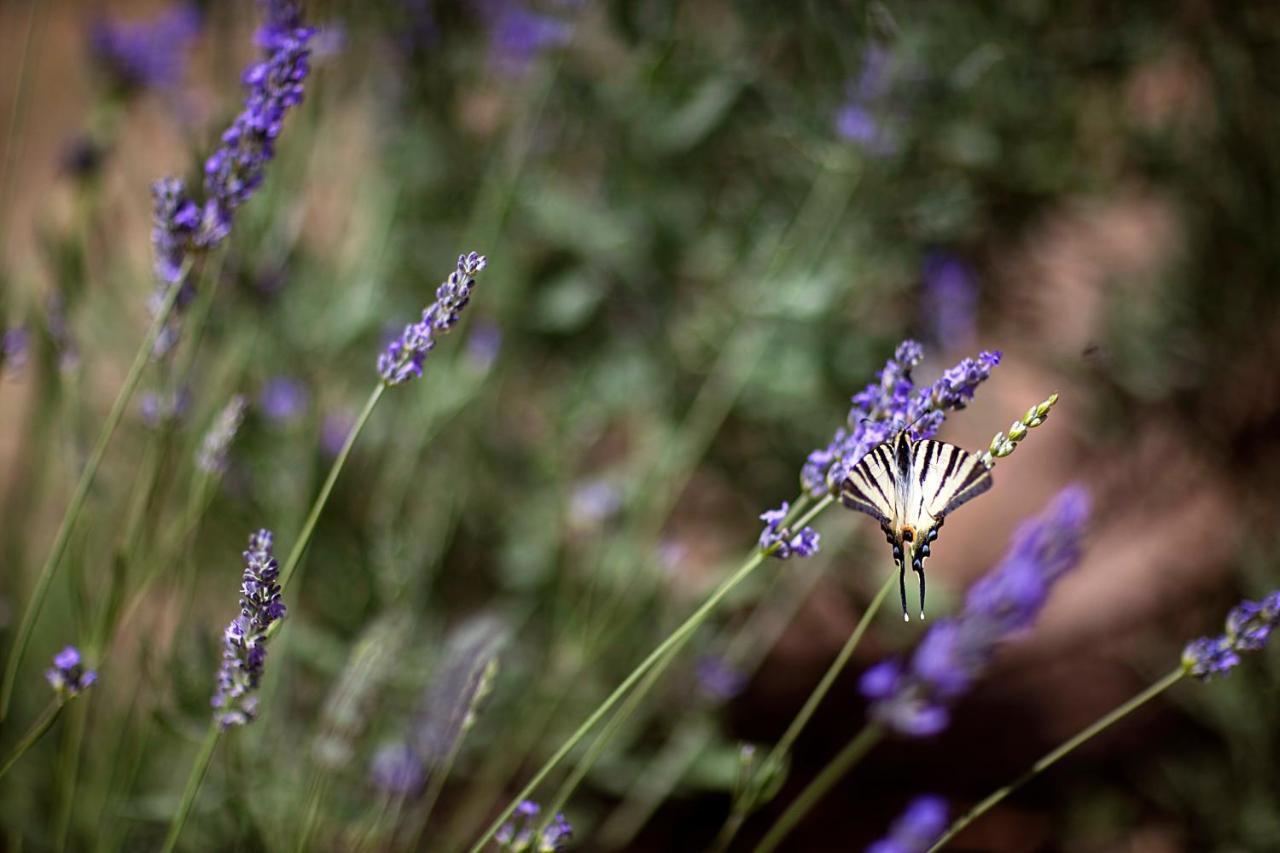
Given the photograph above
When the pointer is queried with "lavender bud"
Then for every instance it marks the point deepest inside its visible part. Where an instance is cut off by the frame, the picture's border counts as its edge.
(212, 457)
(404, 356)
(244, 650)
(69, 676)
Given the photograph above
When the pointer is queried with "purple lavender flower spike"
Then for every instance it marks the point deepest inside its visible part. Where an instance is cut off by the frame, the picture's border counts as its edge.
(950, 302)
(517, 834)
(283, 399)
(69, 676)
(889, 404)
(917, 829)
(1248, 627)
(403, 358)
(517, 34)
(915, 700)
(146, 54)
(244, 651)
(784, 543)
(13, 348)
(396, 770)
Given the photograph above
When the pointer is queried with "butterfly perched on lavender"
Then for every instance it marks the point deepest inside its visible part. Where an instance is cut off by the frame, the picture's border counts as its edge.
(909, 487)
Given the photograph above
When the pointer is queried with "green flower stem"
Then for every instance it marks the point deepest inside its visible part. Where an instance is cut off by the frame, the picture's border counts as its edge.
(822, 783)
(611, 728)
(69, 771)
(63, 537)
(777, 755)
(304, 538)
(1052, 757)
(674, 641)
(291, 564)
(37, 730)
(198, 770)
(319, 788)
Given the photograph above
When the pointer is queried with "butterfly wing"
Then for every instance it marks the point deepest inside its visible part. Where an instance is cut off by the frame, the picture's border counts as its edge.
(871, 485)
(945, 477)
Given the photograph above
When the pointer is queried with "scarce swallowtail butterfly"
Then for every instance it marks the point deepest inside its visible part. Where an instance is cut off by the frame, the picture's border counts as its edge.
(909, 487)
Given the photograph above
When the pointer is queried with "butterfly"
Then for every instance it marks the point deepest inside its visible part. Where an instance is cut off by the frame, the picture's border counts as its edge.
(910, 487)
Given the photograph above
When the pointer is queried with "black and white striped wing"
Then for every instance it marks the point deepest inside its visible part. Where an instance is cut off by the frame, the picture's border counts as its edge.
(870, 485)
(946, 477)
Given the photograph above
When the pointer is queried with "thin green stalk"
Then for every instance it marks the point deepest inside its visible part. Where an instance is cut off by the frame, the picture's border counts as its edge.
(318, 789)
(674, 640)
(304, 537)
(37, 730)
(606, 734)
(18, 115)
(63, 537)
(69, 771)
(1052, 757)
(822, 783)
(782, 748)
(196, 776)
(434, 788)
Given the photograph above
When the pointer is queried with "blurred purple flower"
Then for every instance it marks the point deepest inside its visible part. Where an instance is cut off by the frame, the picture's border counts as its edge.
(150, 54)
(1249, 626)
(283, 399)
(916, 829)
(593, 502)
(717, 680)
(516, 835)
(334, 430)
(69, 675)
(396, 770)
(158, 408)
(785, 543)
(244, 652)
(915, 700)
(950, 303)
(518, 35)
(892, 403)
(861, 118)
(403, 358)
(483, 345)
(14, 344)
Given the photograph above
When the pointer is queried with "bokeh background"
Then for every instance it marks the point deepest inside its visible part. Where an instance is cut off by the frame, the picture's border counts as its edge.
(708, 224)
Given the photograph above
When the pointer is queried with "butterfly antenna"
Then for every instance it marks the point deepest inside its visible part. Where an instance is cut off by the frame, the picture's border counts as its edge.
(902, 588)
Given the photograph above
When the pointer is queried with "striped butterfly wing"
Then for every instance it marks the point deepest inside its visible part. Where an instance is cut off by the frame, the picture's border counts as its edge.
(871, 486)
(943, 477)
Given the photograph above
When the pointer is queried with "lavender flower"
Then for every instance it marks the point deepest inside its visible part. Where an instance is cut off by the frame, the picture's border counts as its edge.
(212, 456)
(860, 119)
(459, 685)
(517, 834)
(717, 680)
(158, 408)
(784, 543)
(395, 770)
(405, 355)
(182, 226)
(914, 700)
(917, 829)
(334, 430)
(1248, 627)
(146, 54)
(517, 34)
(892, 403)
(69, 677)
(244, 652)
(950, 301)
(14, 344)
(283, 399)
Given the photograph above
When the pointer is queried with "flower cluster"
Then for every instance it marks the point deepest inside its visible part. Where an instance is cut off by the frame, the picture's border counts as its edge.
(396, 770)
(69, 676)
(861, 119)
(244, 651)
(13, 348)
(1248, 626)
(914, 700)
(781, 540)
(517, 834)
(235, 170)
(518, 34)
(950, 300)
(212, 456)
(147, 54)
(892, 403)
(405, 355)
(917, 829)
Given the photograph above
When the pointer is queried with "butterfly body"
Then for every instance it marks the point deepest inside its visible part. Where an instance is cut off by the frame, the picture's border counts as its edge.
(910, 487)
